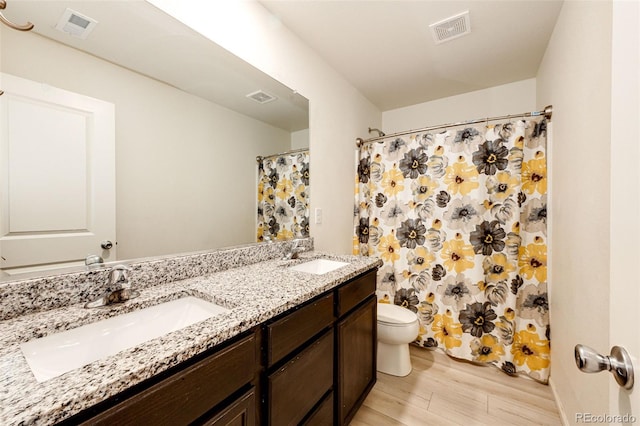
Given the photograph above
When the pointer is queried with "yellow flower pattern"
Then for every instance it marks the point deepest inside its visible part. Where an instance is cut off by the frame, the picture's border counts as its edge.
(447, 331)
(461, 178)
(389, 248)
(528, 348)
(284, 234)
(534, 176)
(283, 191)
(392, 182)
(260, 191)
(457, 255)
(533, 261)
(458, 218)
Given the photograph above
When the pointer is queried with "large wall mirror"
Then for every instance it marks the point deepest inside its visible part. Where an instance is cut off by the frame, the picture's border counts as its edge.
(186, 133)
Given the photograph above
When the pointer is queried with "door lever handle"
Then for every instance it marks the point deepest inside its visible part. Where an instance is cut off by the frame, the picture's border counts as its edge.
(618, 362)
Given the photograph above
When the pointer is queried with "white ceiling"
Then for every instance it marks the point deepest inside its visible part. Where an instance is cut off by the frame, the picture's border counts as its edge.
(386, 50)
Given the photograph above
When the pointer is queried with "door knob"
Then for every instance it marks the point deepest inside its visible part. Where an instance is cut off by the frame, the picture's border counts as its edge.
(618, 362)
(93, 259)
(106, 244)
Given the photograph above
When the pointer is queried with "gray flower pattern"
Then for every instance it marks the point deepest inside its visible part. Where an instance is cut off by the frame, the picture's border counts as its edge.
(462, 237)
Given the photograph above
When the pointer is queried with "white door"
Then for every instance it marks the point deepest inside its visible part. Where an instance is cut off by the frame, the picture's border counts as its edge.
(57, 176)
(625, 203)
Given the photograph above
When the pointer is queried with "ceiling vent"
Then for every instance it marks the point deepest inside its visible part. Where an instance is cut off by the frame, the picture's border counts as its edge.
(450, 28)
(261, 97)
(76, 24)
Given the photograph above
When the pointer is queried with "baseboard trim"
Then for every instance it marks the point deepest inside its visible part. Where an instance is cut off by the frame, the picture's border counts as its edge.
(559, 406)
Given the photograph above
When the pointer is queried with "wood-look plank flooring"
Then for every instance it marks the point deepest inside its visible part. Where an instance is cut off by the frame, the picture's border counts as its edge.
(443, 391)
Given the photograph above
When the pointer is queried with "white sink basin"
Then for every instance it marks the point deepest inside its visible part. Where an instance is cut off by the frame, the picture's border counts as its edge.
(318, 266)
(53, 355)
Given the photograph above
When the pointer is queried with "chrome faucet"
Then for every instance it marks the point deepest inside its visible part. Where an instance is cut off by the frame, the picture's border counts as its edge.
(118, 278)
(294, 251)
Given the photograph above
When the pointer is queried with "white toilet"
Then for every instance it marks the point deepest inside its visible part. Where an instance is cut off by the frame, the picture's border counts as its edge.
(397, 327)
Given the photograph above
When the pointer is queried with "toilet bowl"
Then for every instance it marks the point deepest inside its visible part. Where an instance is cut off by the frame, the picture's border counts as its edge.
(397, 327)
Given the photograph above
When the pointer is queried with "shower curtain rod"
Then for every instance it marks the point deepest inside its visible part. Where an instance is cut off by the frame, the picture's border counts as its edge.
(260, 158)
(547, 112)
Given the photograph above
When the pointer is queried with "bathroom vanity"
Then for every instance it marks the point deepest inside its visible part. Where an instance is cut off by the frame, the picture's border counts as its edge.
(294, 348)
(313, 364)
(322, 355)
(214, 388)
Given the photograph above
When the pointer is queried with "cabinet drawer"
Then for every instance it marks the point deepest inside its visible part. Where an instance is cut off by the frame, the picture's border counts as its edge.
(288, 333)
(188, 394)
(354, 292)
(297, 387)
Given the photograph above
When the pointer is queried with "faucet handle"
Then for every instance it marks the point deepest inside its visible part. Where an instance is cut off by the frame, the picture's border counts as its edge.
(122, 267)
(119, 274)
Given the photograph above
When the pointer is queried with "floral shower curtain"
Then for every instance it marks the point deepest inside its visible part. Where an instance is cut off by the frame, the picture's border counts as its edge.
(283, 197)
(459, 219)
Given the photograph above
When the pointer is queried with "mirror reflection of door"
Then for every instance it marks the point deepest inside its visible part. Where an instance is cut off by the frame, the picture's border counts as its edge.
(58, 157)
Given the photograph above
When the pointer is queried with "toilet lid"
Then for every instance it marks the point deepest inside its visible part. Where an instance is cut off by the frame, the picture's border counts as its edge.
(395, 314)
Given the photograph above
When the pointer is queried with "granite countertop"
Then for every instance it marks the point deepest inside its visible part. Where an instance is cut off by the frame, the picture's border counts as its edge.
(253, 293)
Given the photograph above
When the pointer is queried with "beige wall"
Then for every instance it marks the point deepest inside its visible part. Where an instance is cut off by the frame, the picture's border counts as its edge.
(300, 139)
(184, 182)
(338, 112)
(575, 76)
(512, 98)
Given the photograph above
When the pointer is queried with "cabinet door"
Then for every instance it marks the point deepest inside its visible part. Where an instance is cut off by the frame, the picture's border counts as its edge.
(242, 412)
(298, 386)
(323, 415)
(356, 359)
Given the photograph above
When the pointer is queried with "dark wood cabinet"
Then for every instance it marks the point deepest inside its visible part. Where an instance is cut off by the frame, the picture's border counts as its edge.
(185, 395)
(354, 292)
(241, 412)
(356, 359)
(292, 330)
(322, 415)
(312, 365)
(309, 380)
(300, 348)
(296, 388)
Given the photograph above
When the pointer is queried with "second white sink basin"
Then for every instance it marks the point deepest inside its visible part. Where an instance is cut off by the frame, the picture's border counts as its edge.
(318, 266)
(56, 354)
